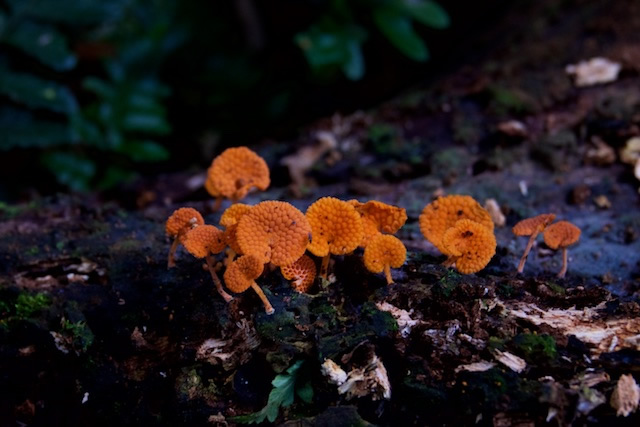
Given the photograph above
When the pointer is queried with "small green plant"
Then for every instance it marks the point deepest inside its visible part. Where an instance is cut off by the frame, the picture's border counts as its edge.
(285, 387)
(335, 40)
(78, 334)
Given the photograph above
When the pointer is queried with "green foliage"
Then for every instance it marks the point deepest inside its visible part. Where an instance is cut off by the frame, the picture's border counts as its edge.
(78, 333)
(285, 387)
(536, 348)
(27, 305)
(117, 111)
(335, 41)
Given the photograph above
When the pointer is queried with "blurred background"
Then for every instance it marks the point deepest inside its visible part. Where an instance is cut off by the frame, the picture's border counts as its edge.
(94, 93)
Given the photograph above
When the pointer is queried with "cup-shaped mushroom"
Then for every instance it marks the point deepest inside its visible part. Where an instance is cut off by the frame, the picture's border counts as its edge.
(241, 275)
(235, 172)
(561, 235)
(531, 227)
(378, 217)
(470, 245)
(229, 220)
(443, 213)
(275, 232)
(383, 252)
(177, 225)
(302, 273)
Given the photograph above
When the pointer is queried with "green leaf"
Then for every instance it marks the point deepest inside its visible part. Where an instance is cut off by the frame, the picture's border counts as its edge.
(44, 43)
(70, 169)
(305, 392)
(74, 12)
(399, 31)
(142, 122)
(144, 151)
(427, 12)
(114, 176)
(19, 129)
(36, 93)
(353, 67)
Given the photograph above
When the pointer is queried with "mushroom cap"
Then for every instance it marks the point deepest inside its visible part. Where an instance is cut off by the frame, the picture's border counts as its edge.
(561, 234)
(274, 231)
(302, 272)
(181, 221)
(533, 225)
(202, 240)
(379, 217)
(236, 171)
(242, 272)
(384, 249)
(442, 214)
(471, 243)
(229, 219)
(336, 227)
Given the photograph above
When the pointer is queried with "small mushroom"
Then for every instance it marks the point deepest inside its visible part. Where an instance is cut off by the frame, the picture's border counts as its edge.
(178, 224)
(336, 228)
(443, 213)
(273, 231)
(470, 246)
(561, 235)
(201, 242)
(241, 275)
(234, 173)
(531, 227)
(383, 252)
(302, 273)
(378, 217)
(229, 220)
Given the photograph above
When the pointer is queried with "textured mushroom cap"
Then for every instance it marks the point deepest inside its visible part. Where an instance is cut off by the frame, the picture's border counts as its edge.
(532, 225)
(229, 220)
(236, 171)
(442, 214)
(203, 240)
(472, 243)
(274, 231)
(302, 272)
(181, 221)
(561, 234)
(336, 227)
(382, 250)
(378, 217)
(242, 272)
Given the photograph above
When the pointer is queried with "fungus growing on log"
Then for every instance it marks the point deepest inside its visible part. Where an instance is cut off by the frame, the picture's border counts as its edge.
(302, 273)
(203, 241)
(336, 228)
(229, 220)
(443, 213)
(531, 227)
(378, 217)
(383, 252)
(273, 232)
(561, 235)
(470, 246)
(241, 275)
(178, 224)
(234, 173)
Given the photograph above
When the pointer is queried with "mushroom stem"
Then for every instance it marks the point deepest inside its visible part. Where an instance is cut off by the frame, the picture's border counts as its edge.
(171, 262)
(231, 255)
(268, 308)
(216, 280)
(449, 261)
(387, 273)
(324, 267)
(565, 263)
(532, 239)
(217, 204)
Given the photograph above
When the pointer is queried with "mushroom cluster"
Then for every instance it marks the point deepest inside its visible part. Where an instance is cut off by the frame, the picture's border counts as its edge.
(461, 229)
(559, 235)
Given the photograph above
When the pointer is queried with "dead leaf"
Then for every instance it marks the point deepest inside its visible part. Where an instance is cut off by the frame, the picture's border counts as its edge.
(403, 317)
(626, 396)
(513, 362)
(594, 71)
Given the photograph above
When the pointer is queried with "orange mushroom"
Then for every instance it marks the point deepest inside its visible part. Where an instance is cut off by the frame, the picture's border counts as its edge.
(241, 275)
(302, 273)
(273, 232)
(531, 227)
(378, 217)
(470, 246)
(336, 228)
(180, 221)
(443, 213)
(561, 235)
(201, 242)
(234, 173)
(383, 252)
(229, 220)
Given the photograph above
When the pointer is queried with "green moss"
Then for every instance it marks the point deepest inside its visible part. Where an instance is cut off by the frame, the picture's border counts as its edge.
(32, 251)
(536, 348)
(556, 288)
(506, 100)
(448, 283)
(81, 336)
(27, 305)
